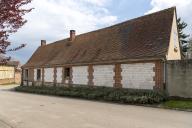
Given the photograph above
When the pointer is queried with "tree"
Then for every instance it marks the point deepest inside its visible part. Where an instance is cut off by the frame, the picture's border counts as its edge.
(182, 36)
(11, 19)
(190, 48)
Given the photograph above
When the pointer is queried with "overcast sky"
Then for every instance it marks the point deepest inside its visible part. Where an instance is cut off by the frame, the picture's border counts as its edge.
(51, 20)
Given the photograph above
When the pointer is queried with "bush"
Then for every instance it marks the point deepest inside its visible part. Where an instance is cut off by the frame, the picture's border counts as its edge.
(129, 96)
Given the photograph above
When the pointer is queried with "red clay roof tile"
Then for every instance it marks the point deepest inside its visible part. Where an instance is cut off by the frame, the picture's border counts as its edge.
(144, 37)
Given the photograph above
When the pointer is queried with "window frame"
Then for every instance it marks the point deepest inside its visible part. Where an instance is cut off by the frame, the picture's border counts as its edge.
(38, 77)
(67, 72)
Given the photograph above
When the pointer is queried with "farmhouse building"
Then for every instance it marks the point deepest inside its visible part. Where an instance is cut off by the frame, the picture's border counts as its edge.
(126, 55)
(9, 71)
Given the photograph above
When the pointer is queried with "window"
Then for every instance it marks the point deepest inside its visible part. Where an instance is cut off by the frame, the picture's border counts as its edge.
(67, 72)
(38, 74)
(26, 71)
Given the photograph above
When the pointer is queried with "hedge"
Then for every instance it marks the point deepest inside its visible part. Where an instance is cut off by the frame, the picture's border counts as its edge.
(129, 96)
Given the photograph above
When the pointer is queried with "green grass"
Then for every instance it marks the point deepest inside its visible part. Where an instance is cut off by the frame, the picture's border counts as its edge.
(178, 104)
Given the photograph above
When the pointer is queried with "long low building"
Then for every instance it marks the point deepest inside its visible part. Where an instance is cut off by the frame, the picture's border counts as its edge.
(126, 55)
(10, 72)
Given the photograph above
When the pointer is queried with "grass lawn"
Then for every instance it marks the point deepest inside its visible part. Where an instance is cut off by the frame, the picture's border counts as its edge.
(178, 104)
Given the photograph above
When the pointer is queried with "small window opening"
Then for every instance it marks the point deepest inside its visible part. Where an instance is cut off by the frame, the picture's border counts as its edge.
(67, 72)
(38, 74)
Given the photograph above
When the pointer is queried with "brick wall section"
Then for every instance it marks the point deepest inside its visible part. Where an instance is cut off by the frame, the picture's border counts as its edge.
(31, 74)
(90, 75)
(43, 76)
(63, 80)
(117, 76)
(158, 69)
(55, 76)
(71, 76)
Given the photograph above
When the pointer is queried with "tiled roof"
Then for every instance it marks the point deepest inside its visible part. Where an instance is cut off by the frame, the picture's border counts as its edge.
(141, 38)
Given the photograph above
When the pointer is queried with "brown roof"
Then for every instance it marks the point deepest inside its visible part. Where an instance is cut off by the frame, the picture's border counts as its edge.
(141, 38)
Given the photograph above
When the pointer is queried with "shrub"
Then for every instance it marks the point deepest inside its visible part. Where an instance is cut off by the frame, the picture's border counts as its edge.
(129, 96)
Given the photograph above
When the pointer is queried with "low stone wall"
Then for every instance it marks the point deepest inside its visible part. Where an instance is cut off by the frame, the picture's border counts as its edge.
(7, 81)
(16, 79)
(179, 78)
(138, 76)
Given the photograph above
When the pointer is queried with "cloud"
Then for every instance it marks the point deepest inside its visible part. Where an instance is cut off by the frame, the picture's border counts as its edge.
(97, 2)
(52, 19)
(184, 9)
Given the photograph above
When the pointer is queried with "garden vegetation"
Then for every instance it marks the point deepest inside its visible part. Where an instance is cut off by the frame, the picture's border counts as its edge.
(118, 95)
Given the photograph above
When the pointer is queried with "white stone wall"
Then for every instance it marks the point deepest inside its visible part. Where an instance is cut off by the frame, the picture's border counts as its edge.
(48, 74)
(30, 83)
(59, 75)
(138, 76)
(24, 83)
(7, 72)
(103, 75)
(80, 75)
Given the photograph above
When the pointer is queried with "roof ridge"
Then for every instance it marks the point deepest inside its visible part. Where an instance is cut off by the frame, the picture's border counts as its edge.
(123, 22)
(122, 41)
(137, 18)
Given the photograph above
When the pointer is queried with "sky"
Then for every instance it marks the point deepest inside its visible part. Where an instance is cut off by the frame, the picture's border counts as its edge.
(51, 20)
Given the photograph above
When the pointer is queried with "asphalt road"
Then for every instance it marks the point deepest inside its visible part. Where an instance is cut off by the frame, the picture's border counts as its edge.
(22, 110)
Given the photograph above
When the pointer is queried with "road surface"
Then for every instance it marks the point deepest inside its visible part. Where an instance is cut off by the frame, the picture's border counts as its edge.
(22, 110)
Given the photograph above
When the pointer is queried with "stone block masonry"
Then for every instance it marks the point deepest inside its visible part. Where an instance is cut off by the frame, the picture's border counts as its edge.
(59, 74)
(48, 74)
(103, 75)
(138, 75)
(179, 78)
(176, 75)
(80, 75)
(117, 78)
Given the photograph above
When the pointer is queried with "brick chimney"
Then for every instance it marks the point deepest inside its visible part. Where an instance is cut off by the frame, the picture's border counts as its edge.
(43, 42)
(72, 35)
